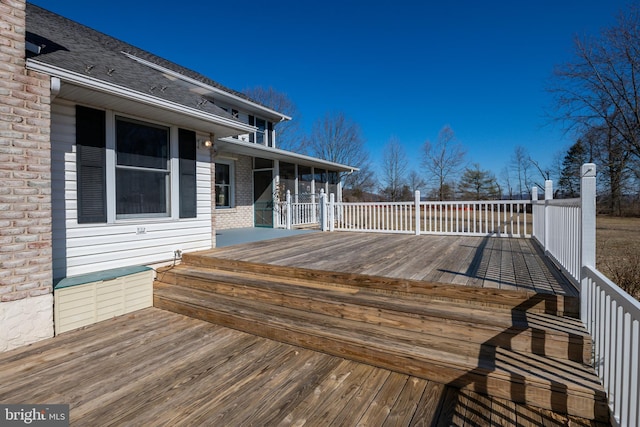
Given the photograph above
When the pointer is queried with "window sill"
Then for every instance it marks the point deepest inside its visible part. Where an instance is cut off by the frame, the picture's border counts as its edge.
(226, 210)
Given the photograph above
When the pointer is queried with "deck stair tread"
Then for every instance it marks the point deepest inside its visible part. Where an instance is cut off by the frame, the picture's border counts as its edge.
(489, 297)
(520, 330)
(511, 345)
(407, 343)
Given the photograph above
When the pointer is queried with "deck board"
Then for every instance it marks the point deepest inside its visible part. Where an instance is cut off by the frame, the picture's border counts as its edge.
(153, 367)
(489, 262)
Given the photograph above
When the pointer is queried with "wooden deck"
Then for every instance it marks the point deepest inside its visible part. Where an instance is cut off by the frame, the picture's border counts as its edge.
(485, 262)
(157, 368)
(337, 329)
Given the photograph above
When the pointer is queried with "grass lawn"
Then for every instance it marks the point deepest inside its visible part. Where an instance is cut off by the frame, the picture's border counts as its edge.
(618, 251)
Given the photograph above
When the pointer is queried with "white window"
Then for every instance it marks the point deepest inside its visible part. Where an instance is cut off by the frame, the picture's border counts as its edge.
(224, 188)
(142, 169)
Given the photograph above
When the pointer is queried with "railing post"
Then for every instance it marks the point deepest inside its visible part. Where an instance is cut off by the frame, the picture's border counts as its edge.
(548, 195)
(288, 212)
(417, 211)
(332, 206)
(323, 211)
(588, 229)
(534, 201)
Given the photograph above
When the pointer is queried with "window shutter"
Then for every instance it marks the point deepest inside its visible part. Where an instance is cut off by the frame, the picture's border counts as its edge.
(91, 166)
(252, 122)
(187, 153)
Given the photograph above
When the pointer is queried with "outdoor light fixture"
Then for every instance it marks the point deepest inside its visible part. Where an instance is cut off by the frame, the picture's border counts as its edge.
(206, 143)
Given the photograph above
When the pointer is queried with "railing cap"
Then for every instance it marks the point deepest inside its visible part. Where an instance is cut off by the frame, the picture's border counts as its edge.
(588, 170)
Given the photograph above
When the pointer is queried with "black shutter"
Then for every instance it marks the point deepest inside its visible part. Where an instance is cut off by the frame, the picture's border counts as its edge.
(270, 134)
(187, 153)
(90, 165)
(252, 122)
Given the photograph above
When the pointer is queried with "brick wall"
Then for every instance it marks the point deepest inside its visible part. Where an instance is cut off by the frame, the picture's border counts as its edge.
(241, 215)
(26, 303)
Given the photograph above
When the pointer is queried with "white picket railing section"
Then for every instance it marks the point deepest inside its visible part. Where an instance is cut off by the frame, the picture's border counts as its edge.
(501, 218)
(566, 231)
(557, 227)
(396, 217)
(612, 317)
(288, 214)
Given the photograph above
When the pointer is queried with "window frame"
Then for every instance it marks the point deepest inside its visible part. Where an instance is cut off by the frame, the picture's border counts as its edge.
(230, 184)
(167, 171)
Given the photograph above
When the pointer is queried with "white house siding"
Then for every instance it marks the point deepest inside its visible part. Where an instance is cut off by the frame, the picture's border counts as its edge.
(87, 248)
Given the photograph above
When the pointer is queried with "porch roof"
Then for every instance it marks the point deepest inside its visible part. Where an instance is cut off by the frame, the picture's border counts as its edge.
(233, 146)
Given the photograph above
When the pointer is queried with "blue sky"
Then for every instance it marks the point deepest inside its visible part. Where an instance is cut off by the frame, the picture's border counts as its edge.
(400, 69)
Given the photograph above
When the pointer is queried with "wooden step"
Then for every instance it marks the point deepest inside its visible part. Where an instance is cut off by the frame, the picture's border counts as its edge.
(536, 333)
(546, 382)
(498, 299)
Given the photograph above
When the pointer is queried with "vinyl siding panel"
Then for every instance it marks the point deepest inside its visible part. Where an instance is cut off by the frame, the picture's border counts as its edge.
(87, 248)
(92, 302)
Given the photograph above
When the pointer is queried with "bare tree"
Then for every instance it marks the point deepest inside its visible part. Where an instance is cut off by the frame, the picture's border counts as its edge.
(394, 170)
(601, 86)
(443, 160)
(520, 165)
(338, 139)
(415, 182)
(288, 133)
(507, 185)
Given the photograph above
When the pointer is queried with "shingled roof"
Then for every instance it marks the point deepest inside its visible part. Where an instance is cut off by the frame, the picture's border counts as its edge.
(74, 47)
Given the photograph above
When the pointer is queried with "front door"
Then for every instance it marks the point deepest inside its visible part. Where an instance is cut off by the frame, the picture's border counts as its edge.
(263, 198)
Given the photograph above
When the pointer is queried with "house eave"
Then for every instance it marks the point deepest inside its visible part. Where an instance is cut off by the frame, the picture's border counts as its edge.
(223, 126)
(230, 98)
(231, 146)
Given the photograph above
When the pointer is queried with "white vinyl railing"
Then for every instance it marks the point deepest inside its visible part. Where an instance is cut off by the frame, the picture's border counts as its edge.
(501, 218)
(557, 229)
(289, 214)
(566, 230)
(612, 318)
(398, 217)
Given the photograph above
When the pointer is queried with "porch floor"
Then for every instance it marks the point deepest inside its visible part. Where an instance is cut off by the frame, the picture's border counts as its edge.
(235, 236)
(487, 262)
(153, 367)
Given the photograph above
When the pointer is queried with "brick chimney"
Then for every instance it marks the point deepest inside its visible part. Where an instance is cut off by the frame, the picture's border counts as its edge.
(26, 299)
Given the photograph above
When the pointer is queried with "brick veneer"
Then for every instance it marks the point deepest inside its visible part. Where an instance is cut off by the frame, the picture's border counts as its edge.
(26, 303)
(241, 215)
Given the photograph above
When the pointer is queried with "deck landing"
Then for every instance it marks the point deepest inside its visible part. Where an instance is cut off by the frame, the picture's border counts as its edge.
(486, 262)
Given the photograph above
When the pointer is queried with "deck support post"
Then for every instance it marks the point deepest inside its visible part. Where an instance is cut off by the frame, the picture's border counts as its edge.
(588, 229)
(288, 210)
(417, 211)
